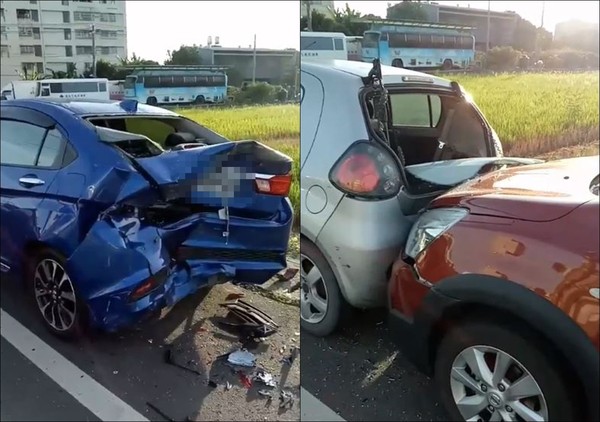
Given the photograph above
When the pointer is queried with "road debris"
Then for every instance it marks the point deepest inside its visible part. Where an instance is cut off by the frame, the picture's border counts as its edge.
(212, 384)
(242, 357)
(287, 275)
(286, 399)
(160, 412)
(289, 360)
(269, 394)
(251, 322)
(266, 378)
(170, 360)
(234, 296)
(228, 386)
(245, 380)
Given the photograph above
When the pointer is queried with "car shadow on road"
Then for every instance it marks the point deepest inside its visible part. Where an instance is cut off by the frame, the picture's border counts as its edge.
(360, 373)
(190, 384)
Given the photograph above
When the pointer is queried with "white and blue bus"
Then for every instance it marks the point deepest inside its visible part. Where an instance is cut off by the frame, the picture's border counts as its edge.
(419, 45)
(323, 45)
(163, 85)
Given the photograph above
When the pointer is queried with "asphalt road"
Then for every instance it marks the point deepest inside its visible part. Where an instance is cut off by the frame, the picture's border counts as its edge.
(46, 402)
(360, 374)
(129, 368)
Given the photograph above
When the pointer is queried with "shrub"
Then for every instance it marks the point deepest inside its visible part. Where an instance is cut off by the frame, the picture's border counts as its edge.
(502, 58)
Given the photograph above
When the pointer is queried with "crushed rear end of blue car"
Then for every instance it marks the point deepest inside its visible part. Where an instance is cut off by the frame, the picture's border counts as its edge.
(179, 221)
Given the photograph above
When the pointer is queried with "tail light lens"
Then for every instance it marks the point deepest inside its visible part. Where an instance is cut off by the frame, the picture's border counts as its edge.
(148, 285)
(273, 185)
(368, 171)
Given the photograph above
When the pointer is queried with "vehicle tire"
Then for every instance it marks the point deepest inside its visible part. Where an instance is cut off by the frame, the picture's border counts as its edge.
(526, 358)
(397, 63)
(324, 292)
(152, 101)
(447, 65)
(51, 288)
(199, 99)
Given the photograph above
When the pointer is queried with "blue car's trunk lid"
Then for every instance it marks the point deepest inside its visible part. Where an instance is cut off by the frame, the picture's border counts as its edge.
(243, 175)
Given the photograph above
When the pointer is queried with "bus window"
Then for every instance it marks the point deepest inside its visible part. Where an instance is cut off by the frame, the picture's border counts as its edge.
(397, 40)
(412, 40)
(189, 81)
(316, 43)
(152, 82)
(130, 82)
(338, 44)
(101, 86)
(370, 40)
(437, 41)
(450, 42)
(45, 92)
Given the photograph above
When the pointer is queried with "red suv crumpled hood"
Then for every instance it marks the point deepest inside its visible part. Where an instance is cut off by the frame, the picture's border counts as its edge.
(537, 192)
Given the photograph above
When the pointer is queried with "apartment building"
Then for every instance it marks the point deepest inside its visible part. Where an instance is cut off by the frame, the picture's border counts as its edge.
(45, 36)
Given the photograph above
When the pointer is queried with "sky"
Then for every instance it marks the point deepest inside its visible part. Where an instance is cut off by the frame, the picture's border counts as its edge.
(153, 27)
(554, 11)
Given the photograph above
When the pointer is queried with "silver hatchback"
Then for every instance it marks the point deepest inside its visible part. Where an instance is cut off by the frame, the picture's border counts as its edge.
(378, 144)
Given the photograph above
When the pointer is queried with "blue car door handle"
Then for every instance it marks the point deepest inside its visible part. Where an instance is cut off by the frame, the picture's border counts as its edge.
(30, 182)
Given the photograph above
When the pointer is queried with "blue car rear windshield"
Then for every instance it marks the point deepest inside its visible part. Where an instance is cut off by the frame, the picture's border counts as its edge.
(133, 144)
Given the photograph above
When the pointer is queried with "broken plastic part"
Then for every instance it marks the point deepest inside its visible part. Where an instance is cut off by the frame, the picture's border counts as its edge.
(245, 380)
(242, 358)
(267, 393)
(266, 378)
(249, 313)
(286, 399)
(289, 360)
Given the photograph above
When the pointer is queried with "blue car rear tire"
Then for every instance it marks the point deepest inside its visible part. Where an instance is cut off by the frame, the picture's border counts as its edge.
(55, 296)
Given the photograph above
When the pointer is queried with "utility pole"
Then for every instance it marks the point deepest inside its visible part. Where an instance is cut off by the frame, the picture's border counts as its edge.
(538, 33)
(254, 62)
(93, 32)
(308, 15)
(543, 9)
(487, 39)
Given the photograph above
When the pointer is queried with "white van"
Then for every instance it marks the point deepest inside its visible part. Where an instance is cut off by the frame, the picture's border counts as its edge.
(323, 45)
(76, 89)
(354, 46)
(116, 90)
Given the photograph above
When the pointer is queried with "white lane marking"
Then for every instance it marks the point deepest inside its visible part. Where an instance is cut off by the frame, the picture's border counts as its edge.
(312, 409)
(86, 390)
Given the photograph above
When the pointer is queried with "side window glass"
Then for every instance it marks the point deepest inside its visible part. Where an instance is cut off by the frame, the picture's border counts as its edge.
(20, 143)
(52, 150)
(416, 110)
(339, 44)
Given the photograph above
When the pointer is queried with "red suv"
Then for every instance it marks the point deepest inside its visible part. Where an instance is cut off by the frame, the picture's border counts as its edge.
(496, 294)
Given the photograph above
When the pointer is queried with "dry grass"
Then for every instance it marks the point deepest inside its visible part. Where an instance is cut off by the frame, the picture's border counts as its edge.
(573, 151)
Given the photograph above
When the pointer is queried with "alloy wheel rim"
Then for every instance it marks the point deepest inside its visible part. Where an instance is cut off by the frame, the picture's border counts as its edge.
(313, 292)
(55, 295)
(488, 384)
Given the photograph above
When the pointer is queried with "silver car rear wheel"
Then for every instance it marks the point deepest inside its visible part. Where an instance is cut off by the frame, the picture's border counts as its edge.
(313, 294)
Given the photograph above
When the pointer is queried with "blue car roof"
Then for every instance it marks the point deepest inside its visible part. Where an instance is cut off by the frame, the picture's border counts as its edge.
(90, 107)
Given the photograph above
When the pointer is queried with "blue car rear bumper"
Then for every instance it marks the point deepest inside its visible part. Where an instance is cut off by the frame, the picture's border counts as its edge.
(120, 254)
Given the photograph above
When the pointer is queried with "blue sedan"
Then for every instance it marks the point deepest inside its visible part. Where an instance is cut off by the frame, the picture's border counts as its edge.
(112, 211)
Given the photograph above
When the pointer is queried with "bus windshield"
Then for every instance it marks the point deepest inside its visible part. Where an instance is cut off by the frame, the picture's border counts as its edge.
(370, 40)
(129, 82)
